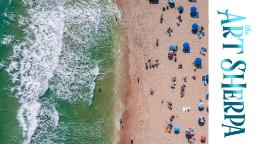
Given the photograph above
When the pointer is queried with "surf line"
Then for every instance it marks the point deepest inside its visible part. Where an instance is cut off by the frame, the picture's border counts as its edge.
(233, 69)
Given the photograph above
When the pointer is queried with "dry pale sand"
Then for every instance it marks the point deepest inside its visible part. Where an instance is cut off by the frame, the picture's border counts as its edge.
(145, 117)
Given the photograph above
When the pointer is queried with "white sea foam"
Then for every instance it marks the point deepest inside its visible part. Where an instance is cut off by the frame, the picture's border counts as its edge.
(55, 54)
(27, 116)
(1, 65)
(33, 63)
(7, 39)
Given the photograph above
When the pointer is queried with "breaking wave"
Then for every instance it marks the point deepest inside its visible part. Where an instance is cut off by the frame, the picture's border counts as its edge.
(56, 55)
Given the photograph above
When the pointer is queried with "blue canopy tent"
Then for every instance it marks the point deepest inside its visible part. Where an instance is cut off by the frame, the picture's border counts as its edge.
(195, 28)
(201, 106)
(176, 129)
(172, 47)
(198, 62)
(186, 47)
(171, 3)
(180, 9)
(193, 11)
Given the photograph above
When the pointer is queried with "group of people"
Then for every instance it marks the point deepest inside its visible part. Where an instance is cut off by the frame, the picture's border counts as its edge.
(173, 83)
(200, 33)
(150, 65)
(182, 91)
(170, 125)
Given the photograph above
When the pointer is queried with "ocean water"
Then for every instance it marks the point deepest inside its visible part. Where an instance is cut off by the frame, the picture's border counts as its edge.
(57, 72)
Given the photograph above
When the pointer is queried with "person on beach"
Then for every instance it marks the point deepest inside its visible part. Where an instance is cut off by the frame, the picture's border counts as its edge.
(157, 42)
(179, 18)
(169, 127)
(177, 23)
(180, 66)
(202, 28)
(152, 92)
(161, 18)
(156, 65)
(163, 9)
(121, 122)
(185, 79)
(169, 105)
(150, 66)
(169, 31)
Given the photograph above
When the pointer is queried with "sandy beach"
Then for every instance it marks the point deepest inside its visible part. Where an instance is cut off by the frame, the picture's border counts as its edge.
(148, 98)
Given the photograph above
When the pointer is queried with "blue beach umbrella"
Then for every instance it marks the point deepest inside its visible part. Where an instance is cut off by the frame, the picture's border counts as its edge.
(201, 106)
(193, 11)
(198, 62)
(186, 47)
(171, 3)
(176, 129)
(180, 9)
(172, 47)
(195, 27)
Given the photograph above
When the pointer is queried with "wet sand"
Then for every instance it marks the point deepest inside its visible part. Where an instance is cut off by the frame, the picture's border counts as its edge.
(145, 93)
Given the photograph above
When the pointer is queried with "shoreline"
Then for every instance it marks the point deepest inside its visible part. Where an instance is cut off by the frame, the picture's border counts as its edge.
(122, 76)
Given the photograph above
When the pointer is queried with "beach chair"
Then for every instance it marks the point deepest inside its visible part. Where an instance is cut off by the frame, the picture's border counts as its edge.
(154, 1)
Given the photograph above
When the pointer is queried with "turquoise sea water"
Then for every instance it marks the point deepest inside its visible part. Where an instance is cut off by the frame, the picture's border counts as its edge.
(57, 71)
